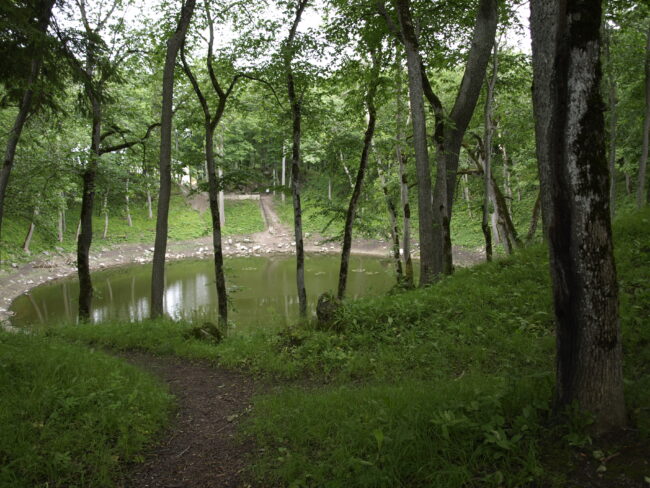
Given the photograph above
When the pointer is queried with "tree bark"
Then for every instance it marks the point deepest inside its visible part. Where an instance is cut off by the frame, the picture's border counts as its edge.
(87, 202)
(296, 108)
(361, 173)
(453, 131)
(416, 93)
(392, 220)
(129, 221)
(570, 136)
(30, 232)
(409, 280)
(160, 246)
(105, 212)
(215, 192)
(641, 196)
(530, 235)
(43, 21)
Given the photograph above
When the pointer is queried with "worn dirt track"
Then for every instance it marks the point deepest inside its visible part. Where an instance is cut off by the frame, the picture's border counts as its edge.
(201, 448)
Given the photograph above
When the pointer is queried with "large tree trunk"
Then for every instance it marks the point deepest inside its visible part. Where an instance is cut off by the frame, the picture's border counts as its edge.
(570, 135)
(361, 173)
(416, 93)
(296, 104)
(160, 246)
(43, 20)
(641, 196)
(454, 130)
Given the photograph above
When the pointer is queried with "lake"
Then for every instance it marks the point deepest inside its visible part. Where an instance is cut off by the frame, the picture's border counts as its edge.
(262, 291)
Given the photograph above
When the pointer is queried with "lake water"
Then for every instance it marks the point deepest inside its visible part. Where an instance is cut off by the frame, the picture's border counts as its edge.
(262, 291)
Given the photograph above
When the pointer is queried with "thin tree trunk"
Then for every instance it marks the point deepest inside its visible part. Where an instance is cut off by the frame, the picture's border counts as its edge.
(346, 170)
(403, 178)
(570, 136)
(361, 173)
(30, 232)
(467, 196)
(414, 64)
(487, 149)
(215, 195)
(535, 218)
(60, 226)
(78, 233)
(160, 246)
(43, 20)
(329, 188)
(129, 221)
(105, 212)
(284, 173)
(296, 107)
(392, 220)
(641, 196)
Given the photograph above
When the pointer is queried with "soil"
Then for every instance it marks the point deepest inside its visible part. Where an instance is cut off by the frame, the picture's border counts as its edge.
(202, 447)
(275, 239)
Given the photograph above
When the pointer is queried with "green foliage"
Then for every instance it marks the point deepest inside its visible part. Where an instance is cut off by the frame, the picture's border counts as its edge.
(71, 416)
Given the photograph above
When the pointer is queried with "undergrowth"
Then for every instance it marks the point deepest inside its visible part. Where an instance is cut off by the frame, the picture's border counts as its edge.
(447, 386)
(71, 416)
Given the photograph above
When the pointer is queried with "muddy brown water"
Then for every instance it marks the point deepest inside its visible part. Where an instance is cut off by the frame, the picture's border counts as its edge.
(262, 291)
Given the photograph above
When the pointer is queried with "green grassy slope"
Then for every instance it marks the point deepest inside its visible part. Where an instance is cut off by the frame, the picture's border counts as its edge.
(70, 416)
(242, 217)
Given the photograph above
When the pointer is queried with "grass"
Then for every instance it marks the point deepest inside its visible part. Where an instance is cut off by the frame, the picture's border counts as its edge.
(448, 386)
(185, 223)
(71, 416)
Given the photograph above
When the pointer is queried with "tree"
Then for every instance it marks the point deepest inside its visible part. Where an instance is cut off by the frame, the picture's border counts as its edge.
(435, 236)
(210, 124)
(641, 196)
(35, 21)
(160, 246)
(570, 136)
(296, 102)
(356, 192)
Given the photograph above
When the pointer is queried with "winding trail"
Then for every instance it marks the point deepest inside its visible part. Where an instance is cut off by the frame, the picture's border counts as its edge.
(201, 448)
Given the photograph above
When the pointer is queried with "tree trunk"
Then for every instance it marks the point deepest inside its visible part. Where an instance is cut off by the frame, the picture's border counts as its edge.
(641, 196)
(487, 149)
(534, 219)
(129, 221)
(43, 21)
(30, 232)
(284, 173)
(392, 220)
(296, 106)
(329, 188)
(450, 142)
(400, 110)
(160, 246)
(346, 170)
(570, 136)
(414, 65)
(86, 220)
(361, 173)
(60, 226)
(105, 212)
(467, 196)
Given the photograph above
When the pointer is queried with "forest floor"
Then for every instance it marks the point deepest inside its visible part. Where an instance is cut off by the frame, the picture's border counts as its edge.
(276, 239)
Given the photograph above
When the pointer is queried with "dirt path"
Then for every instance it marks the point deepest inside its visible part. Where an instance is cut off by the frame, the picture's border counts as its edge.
(201, 448)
